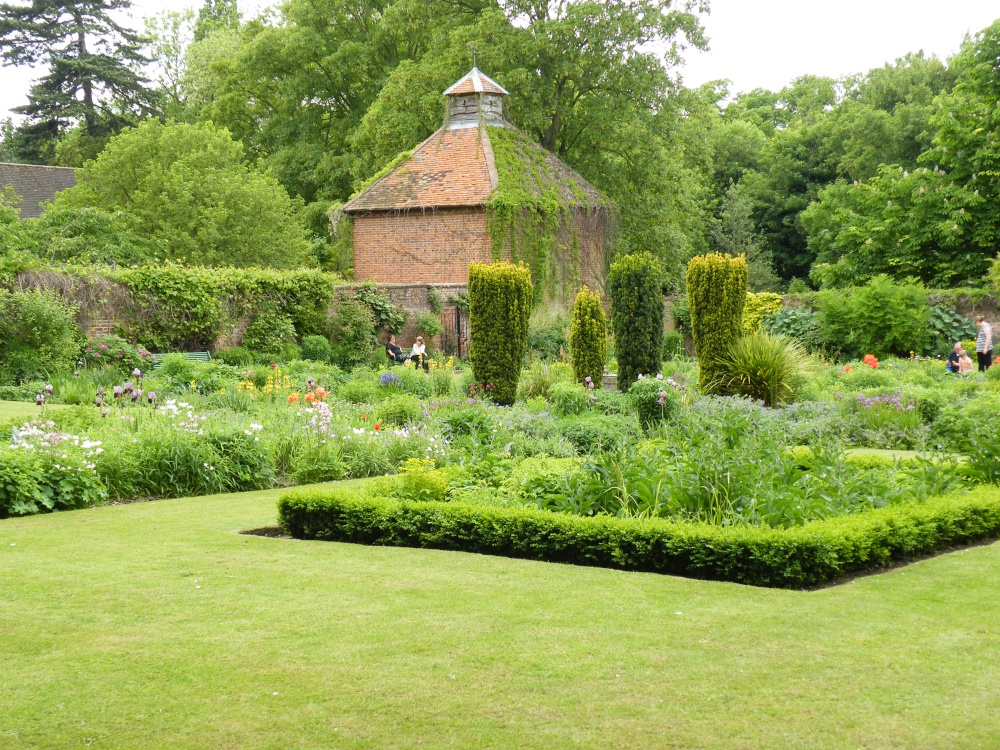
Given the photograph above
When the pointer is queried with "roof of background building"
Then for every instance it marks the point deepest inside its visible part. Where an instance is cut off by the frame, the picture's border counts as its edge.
(35, 185)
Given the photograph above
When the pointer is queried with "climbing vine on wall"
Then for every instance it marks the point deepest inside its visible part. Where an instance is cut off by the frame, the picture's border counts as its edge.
(531, 212)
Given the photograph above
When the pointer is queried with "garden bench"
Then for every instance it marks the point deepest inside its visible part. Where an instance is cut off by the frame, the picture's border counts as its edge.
(407, 352)
(193, 356)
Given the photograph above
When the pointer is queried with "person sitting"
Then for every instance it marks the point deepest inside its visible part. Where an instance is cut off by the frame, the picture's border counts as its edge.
(953, 358)
(964, 361)
(419, 356)
(394, 353)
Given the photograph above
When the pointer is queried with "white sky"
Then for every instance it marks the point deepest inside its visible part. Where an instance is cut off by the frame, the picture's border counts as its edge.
(755, 43)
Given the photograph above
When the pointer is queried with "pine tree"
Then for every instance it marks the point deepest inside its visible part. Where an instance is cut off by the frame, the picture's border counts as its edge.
(92, 63)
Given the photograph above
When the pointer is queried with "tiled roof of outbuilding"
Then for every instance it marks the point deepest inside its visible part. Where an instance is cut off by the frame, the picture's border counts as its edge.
(449, 169)
(35, 185)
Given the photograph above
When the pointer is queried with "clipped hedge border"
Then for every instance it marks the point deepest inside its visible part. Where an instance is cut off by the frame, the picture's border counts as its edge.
(782, 558)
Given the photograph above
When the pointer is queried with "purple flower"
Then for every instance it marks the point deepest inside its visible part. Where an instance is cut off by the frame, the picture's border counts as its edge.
(151, 396)
(118, 390)
(105, 411)
(49, 390)
(100, 391)
(137, 373)
(99, 401)
(39, 400)
(136, 394)
(128, 386)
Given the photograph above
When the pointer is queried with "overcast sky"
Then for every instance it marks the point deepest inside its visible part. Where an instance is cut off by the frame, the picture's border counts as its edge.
(755, 43)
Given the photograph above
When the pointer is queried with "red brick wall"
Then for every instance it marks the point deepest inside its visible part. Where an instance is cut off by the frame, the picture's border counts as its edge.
(420, 247)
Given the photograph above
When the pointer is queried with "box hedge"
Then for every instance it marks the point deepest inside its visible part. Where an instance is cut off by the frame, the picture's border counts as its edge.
(784, 558)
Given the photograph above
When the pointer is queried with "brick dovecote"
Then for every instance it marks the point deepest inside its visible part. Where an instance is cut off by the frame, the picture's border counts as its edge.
(428, 247)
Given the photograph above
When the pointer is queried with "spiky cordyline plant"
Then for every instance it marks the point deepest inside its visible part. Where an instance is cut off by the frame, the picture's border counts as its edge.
(765, 367)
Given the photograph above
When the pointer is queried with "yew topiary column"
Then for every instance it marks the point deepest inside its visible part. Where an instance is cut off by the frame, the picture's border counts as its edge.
(717, 293)
(635, 286)
(588, 337)
(500, 296)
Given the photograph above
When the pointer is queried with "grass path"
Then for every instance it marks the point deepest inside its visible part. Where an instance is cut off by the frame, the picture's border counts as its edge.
(155, 625)
(22, 410)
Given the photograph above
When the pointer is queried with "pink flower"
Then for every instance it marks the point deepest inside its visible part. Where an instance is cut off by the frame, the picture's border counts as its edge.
(104, 346)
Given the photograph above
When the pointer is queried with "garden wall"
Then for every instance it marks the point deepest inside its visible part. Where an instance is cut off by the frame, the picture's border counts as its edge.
(415, 299)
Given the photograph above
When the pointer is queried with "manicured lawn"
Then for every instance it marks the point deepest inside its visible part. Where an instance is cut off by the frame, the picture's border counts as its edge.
(22, 410)
(156, 625)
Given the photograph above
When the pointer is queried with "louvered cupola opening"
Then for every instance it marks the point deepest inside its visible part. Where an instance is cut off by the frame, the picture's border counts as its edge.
(475, 100)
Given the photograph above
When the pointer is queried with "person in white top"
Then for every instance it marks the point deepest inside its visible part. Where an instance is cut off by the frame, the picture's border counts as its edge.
(419, 356)
(984, 344)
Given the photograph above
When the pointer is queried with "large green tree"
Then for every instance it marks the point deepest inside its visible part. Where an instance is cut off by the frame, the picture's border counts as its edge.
(932, 214)
(92, 76)
(337, 89)
(190, 191)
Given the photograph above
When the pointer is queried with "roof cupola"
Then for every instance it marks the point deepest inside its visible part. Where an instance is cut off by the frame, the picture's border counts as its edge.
(474, 100)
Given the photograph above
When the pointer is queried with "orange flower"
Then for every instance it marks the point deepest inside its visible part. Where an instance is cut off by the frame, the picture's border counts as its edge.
(293, 398)
(320, 393)
(872, 361)
(847, 368)
(378, 426)
(364, 417)
(310, 398)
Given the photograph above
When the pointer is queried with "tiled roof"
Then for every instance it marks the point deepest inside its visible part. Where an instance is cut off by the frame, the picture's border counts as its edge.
(449, 169)
(456, 168)
(35, 185)
(474, 82)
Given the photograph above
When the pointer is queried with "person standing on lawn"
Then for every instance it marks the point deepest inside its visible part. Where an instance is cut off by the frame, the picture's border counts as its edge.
(984, 343)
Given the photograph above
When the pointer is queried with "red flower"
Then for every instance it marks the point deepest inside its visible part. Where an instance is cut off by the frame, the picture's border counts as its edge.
(377, 426)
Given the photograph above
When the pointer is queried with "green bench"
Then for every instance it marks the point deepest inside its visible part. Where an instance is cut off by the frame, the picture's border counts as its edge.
(193, 356)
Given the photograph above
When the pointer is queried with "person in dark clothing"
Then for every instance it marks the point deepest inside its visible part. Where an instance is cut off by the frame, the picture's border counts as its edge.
(394, 353)
(953, 357)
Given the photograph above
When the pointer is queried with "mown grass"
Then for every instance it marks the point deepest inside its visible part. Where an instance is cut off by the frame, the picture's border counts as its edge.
(22, 410)
(157, 625)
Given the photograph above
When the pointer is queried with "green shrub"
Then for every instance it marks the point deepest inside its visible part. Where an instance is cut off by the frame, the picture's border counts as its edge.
(547, 336)
(799, 323)
(428, 325)
(236, 356)
(316, 348)
(399, 410)
(353, 333)
(758, 305)
(500, 298)
(717, 293)
(421, 481)
(806, 555)
(589, 337)
(269, 333)
(595, 433)
(387, 316)
(39, 481)
(360, 392)
(115, 353)
(763, 367)
(635, 287)
(318, 460)
(38, 335)
(673, 346)
(680, 312)
(539, 476)
(538, 377)
(442, 382)
(884, 318)
(569, 398)
(655, 401)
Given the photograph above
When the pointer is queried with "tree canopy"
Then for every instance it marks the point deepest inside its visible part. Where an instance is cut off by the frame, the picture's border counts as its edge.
(190, 191)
